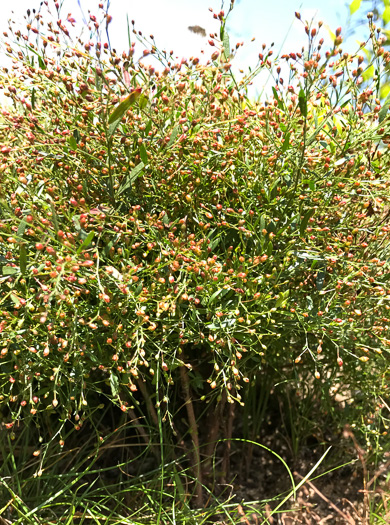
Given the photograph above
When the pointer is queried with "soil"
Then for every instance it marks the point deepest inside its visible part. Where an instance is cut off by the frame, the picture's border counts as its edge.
(332, 496)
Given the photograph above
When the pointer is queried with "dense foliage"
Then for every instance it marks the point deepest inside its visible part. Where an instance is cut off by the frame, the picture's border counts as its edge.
(166, 239)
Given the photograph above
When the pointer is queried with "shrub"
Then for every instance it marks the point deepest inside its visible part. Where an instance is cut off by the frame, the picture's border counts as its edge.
(165, 239)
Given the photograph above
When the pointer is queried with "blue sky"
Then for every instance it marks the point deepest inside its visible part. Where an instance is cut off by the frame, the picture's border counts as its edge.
(168, 20)
(267, 20)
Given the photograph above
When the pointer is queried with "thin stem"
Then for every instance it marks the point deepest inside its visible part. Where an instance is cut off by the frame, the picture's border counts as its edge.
(194, 434)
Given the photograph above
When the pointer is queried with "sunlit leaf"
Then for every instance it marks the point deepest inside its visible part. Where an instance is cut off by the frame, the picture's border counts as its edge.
(383, 112)
(226, 45)
(368, 73)
(114, 384)
(286, 142)
(143, 154)
(87, 241)
(354, 6)
(133, 175)
(302, 102)
(120, 110)
(21, 228)
(173, 136)
(305, 220)
(23, 258)
(386, 15)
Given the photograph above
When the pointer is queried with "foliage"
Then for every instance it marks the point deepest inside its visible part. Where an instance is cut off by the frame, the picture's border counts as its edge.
(378, 13)
(164, 240)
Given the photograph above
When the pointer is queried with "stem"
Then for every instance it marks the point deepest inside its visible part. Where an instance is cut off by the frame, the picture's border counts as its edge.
(228, 444)
(194, 434)
(215, 418)
(148, 401)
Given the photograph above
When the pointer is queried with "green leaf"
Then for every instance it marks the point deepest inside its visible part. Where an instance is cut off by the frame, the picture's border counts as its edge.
(386, 15)
(280, 102)
(214, 296)
(316, 131)
(173, 136)
(305, 221)
(87, 241)
(54, 216)
(128, 31)
(72, 142)
(383, 112)
(143, 154)
(384, 91)
(138, 290)
(98, 81)
(33, 98)
(286, 142)
(22, 226)
(114, 384)
(23, 258)
(133, 175)
(302, 102)
(143, 101)
(15, 299)
(331, 34)
(120, 110)
(148, 127)
(320, 279)
(354, 6)
(10, 270)
(282, 299)
(368, 73)
(270, 248)
(41, 62)
(226, 45)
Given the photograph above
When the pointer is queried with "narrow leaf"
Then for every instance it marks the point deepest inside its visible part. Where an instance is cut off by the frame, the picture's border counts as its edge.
(42, 64)
(22, 226)
(114, 384)
(282, 299)
(279, 101)
(10, 270)
(302, 102)
(173, 136)
(226, 45)
(119, 111)
(286, 142)
(54, 216)
(143, 101)
(143, 154)
(23, 258)
(15, 299)
(386, 15)
(305, 221)
(368, 73)
(133, 175)
(128, 31)
(87, 241)
(214, 296)
(383, 112)
(72, 142)
(354, 6)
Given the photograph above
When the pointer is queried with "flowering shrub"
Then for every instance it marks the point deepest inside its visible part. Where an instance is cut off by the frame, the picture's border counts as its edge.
(163, 236)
